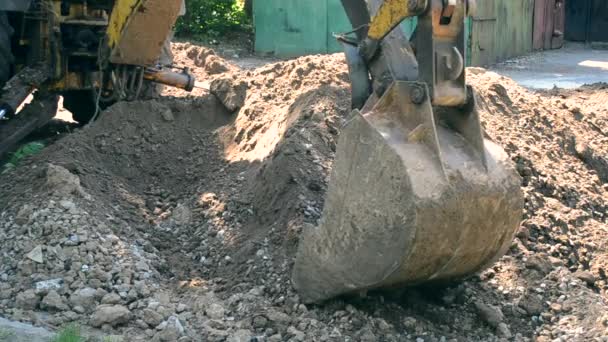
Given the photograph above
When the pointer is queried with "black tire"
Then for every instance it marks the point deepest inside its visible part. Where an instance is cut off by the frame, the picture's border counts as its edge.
(81, 103)
(6, 56)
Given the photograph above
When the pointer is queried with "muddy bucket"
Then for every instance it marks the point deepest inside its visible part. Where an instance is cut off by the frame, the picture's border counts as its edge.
(414, 196)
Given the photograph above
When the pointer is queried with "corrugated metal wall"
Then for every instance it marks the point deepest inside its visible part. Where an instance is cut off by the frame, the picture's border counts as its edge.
(287, 28)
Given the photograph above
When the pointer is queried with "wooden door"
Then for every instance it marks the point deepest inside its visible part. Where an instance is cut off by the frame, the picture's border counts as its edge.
(483, 36)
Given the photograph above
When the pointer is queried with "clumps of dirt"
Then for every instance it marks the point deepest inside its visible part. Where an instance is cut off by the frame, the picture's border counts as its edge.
(178, 218)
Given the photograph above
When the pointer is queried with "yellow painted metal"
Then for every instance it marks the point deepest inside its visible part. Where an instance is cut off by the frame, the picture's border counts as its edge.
(139, 28)
(391, 14)
(120, 15)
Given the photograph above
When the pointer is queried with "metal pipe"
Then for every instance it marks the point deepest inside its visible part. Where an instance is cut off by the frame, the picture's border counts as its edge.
(183, 80)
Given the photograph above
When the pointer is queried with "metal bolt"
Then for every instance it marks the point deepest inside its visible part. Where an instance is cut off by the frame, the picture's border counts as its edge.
(417, 94)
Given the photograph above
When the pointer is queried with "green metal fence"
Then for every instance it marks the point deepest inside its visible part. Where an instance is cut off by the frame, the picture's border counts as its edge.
(289, 28)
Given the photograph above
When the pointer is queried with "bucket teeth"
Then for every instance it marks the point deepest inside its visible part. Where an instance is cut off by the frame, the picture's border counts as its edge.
(414, 196)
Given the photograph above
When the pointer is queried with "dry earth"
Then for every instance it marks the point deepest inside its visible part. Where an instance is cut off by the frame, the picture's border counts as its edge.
(178, 218)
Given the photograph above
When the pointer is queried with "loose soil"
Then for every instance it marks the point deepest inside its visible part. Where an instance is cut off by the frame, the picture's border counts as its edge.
(177, 218)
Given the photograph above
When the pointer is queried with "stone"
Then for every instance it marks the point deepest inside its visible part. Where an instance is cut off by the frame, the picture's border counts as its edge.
(275, 338)
(111, 298)
(215, 311)
(43, 287)
(181, 308)
(167, 115)
(182, 214)
(172, 330)
(278, 317)
(62, 182)
(111, 315)
(489, 313)
(20, 332)
(230, 92)
(215, 65)
(586, 276)
(85, 298)
(531, 303)
(503, 330)
(27, 300)
(259, 322)
(241, 335)
(53, 301)
(151, 317)
(538, 263)
(296, 334)
(24, 214)
(36, 255)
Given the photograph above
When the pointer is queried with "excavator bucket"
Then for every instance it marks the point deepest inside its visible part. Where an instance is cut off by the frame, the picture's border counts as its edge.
(414, 196)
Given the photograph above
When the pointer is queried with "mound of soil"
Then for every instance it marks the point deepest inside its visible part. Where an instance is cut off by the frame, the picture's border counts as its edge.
(177, 219)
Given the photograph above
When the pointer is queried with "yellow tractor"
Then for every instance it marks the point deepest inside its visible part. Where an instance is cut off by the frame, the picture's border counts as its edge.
(92, 52)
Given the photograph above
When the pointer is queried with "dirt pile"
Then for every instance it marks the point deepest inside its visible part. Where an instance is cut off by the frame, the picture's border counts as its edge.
(177, 219)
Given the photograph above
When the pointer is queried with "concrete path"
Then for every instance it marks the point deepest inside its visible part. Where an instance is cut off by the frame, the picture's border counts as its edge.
(569, 67)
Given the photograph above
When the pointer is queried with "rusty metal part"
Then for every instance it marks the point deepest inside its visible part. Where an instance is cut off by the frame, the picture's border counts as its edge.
(183, 80)
(414, 196)
(440, 43)
(19, 87)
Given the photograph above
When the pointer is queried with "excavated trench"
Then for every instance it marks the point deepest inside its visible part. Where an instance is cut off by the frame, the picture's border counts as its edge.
(180, 201)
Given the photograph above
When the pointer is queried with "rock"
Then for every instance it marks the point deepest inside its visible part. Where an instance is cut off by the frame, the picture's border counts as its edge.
(503, 330)
(489, 313)
(85, 298)
(167, 115)
(43, 287)
(27, 300)
(172, 330)
(151, 317)
(538, 263)
(36, 255)
(111, 315)
(241, 335)
(215, 311)
(296, 334)
(215, 65)
(275, 338)
(586, 276)
(111, 298)
(24, 214)
(53, 301)
(278, 317)
(181, 308)
(19, 332)
(182, 214)
(61, 182)
(230, 92)
(531, 303)
(259, 322)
